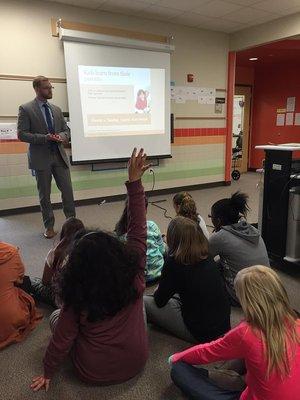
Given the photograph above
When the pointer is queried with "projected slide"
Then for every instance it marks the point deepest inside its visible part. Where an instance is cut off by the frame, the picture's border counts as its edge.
(118, 101)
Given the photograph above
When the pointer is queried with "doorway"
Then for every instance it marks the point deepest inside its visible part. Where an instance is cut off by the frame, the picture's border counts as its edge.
(241, 127)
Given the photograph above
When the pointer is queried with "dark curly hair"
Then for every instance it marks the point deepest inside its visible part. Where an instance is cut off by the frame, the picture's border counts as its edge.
(98, 278)
(230, 210)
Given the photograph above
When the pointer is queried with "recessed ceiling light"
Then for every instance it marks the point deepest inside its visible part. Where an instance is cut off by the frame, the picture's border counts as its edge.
(253, 59)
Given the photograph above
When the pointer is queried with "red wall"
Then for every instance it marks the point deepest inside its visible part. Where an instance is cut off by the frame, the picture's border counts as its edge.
(244, 75)
(272, 86)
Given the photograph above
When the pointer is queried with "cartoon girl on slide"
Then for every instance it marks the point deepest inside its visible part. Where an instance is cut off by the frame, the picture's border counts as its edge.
(141, 104)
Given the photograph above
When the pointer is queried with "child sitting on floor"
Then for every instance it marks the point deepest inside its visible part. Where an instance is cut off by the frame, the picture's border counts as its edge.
(235, 241)
(45, 289)
(155, 245)
(267, 342)
(191, 301)
(185, 206)
(18, 315)
(101, 323)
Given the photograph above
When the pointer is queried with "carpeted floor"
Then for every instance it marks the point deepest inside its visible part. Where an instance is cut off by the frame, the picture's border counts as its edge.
(19, 363)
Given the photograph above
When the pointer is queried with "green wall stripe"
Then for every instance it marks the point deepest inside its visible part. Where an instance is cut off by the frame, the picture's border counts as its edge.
(111, 181)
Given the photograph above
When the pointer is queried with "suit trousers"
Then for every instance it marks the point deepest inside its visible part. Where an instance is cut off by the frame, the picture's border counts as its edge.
(61, 173)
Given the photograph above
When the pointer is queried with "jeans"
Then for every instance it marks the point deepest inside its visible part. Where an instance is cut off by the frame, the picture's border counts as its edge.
(196, 384)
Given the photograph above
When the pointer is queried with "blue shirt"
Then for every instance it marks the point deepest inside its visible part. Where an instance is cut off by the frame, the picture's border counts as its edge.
(155, 251)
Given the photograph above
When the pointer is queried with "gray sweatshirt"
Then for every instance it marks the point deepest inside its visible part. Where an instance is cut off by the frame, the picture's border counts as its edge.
(239, 246)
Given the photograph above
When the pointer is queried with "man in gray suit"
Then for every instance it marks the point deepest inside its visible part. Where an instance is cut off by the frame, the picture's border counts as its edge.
(42, 125)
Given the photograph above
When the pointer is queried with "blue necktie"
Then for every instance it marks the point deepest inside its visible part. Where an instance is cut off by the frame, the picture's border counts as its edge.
(53, 145)
(48, 118)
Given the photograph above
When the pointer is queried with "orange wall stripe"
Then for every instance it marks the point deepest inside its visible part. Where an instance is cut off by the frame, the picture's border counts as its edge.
(199, 132)
(13, 147)
(189, 141)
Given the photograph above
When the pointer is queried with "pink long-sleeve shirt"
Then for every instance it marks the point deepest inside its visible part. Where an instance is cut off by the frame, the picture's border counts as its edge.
(243, 342)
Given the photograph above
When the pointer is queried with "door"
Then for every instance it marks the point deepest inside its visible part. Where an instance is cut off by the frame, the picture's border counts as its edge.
(241, 127)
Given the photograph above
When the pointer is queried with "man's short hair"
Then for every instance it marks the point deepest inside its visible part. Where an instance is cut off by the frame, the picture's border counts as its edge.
(36, 83)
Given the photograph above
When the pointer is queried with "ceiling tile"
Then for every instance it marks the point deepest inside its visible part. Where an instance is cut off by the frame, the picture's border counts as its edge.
(282, 7)
(190, 19)
(247, 15)
(216, 8)
(243, 2)
(129, 7)
(149, 2)
(183, 5)
(93, 4)
(159, 12)
(218, 24)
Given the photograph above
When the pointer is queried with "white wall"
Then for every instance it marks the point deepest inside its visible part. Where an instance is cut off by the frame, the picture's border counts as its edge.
(27, 47)
(279, 29)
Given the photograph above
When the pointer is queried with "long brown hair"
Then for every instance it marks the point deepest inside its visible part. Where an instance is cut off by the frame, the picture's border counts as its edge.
(69, 229)
(186, 241)
(267, 309)
(186, 206)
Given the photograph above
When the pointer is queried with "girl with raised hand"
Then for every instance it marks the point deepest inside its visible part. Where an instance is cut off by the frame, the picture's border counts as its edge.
(191, 301)
(185, 206)
(102, 287)
(235, 241)
(268, 342)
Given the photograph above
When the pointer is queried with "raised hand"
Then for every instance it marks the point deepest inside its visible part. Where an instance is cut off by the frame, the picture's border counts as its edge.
(137, 165)
(40, 382)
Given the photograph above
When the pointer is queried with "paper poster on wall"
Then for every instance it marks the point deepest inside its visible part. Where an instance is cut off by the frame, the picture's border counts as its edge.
(289, 119)
(297, 119)
(193, 93)
(210, 100)
(173, 93)
(179, 99)
(207, 91)
(280, 119)
(8, 131)
(290, 104)
(218, 108)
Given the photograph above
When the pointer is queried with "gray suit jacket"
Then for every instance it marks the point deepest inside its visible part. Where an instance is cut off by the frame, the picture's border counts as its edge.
(32, 129)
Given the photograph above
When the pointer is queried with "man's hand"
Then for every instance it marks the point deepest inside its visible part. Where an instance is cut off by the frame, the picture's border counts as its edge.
(54, 137)
(40, 382)
(137, 165)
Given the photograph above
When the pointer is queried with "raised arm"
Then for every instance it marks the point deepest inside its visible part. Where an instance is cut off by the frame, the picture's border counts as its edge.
(136, 209)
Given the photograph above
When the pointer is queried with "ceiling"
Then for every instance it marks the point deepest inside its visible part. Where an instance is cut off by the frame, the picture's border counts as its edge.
(219, 15)
(283, 52)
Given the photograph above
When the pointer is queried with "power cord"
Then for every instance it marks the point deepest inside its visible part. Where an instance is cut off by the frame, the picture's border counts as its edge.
(154, 203)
